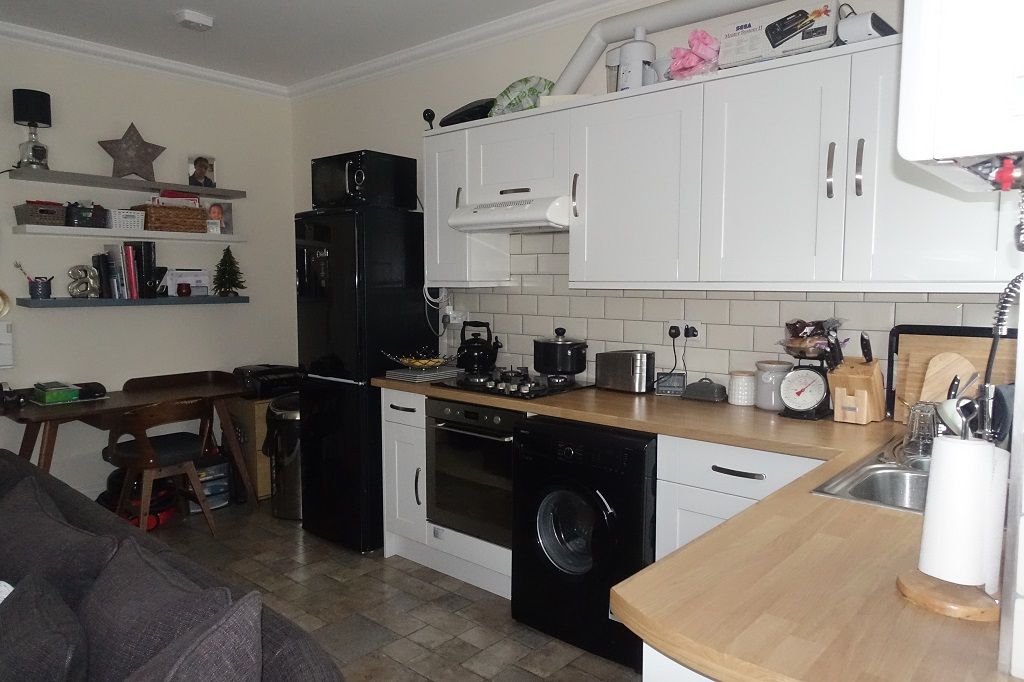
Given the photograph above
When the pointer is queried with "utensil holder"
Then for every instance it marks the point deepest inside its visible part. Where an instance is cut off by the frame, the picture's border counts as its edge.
(39, 288)
(858, 392)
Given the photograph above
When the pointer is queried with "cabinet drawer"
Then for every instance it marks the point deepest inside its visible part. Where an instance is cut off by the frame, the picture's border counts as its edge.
(728, 469)
(402, 408)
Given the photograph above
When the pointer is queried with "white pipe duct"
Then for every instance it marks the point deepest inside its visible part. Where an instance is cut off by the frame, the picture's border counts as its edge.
(655, 18)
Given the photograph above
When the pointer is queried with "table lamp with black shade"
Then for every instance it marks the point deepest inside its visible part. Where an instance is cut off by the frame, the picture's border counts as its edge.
(32, 109)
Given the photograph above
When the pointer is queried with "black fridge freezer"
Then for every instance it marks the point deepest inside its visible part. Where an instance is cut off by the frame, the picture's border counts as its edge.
(359, 279)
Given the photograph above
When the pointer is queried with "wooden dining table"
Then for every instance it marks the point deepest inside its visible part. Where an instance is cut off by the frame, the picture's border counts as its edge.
(218, 387)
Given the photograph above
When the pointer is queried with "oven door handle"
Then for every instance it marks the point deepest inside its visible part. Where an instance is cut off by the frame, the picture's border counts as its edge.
(443, 426)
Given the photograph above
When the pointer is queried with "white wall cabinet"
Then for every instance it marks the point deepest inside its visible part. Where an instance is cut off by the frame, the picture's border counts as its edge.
(521, 158)
(635, 165)
(452, 257)
(904, 224)
(773, 198)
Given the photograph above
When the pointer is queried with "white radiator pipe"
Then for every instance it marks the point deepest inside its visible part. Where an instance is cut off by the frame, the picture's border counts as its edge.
(655, 18)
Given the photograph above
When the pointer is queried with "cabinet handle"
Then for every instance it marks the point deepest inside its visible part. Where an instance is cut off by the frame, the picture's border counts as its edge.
(416, 487)
(858, 171)
(402, 409)
(737, 473)
(458, 195)
(515, 190)
(348, 191)
(575, 208)
(829, 167)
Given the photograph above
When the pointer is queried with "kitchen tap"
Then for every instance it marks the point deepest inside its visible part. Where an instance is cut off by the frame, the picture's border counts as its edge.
(988, 390)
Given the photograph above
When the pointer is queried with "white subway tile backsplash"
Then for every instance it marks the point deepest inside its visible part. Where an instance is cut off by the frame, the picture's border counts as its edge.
(616, 345)
(896, 298)
(560, 285)
(808, 310)
(766, 339)
(739, 359)
(780, 296)
(515, 243)
(983, 315)
(991, 299)
(493, 303)
(538, 243)
(662, 356)
(560, 243)
(928, 313)
(730, 337)
(757, 313)
(707, 360)
(642, 332)
(643, 293)
(834, 296)
(686, 294)
(553, 263)
(604, 293)
(575, 328)
(518, 344)
(663, 309)
(538, 325)
(624, 308)
(553, 305)
(876, 316)
(523, 265)
(732, 295)
(586, 306)
(508, 324)
(708, 312)
(604, 330)
(522, 304)
(466, 301)
(538, 284)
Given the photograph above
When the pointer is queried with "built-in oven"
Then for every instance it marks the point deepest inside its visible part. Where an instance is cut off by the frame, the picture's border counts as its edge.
(469, 469)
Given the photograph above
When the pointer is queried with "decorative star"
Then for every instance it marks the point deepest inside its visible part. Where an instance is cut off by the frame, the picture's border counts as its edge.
(132, 155)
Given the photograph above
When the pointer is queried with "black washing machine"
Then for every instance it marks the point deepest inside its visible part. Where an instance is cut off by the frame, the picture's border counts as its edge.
(583, 521)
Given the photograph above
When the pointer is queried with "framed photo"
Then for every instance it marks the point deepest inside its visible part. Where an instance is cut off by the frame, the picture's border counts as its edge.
(219, 212)
(201, 170)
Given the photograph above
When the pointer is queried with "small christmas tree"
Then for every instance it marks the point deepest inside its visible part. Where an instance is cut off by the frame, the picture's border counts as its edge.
(227, 278)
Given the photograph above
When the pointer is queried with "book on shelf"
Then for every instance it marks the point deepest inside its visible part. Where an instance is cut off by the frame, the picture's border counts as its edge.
(129, 270)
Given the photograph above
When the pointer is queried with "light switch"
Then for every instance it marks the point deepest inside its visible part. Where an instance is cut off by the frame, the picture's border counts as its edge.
(6, 344)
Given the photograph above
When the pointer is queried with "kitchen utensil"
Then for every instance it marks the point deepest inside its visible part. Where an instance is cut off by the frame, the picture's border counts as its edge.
(768, 378)
(865, 347)
(941, 370)
(626, 370)
(476, 355)
(559, 355)
(742, 387)
(970, 382)
(911, 347)
(707, 390)
(954, 388)
(922, 428)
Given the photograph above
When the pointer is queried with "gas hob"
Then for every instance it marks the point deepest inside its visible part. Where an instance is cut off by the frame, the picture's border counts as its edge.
(514, 383)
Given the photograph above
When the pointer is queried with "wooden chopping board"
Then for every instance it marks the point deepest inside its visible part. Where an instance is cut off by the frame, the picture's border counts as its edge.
(941, 370)
(917, 350)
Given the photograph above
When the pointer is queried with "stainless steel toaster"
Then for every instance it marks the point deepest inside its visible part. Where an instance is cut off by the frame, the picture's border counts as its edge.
(626, 370)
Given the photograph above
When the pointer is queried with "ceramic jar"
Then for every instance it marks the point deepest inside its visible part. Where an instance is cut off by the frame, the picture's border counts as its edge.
(769, 383)
(742, 387)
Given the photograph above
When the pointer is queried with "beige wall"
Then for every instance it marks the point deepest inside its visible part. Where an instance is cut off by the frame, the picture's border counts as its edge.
(250, 136)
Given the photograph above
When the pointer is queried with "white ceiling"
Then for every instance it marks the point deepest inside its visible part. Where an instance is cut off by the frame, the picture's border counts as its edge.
(283, 42)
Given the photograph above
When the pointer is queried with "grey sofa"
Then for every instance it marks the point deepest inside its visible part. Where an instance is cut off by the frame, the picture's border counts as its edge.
(288, 652)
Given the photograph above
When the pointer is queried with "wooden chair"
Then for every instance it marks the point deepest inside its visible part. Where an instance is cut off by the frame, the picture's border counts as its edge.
(152, 457)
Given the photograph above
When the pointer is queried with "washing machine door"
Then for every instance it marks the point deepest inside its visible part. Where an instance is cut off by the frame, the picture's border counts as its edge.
(574, 529)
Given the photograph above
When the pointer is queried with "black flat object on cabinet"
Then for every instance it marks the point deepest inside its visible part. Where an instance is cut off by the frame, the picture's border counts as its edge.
(359, 275)
(583, 516)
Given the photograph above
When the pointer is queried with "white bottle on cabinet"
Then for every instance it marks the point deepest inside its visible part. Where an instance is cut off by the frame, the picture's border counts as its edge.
(633, 57)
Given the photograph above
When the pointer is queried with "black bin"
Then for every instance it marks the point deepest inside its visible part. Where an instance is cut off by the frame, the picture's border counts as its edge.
(283, 447)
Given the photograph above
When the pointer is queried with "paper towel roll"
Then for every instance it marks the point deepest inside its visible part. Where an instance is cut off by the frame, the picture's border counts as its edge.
(955, 512)
(995, 521)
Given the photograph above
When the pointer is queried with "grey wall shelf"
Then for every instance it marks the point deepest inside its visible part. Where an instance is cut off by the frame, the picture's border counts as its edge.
(117, 302)
(133, 185)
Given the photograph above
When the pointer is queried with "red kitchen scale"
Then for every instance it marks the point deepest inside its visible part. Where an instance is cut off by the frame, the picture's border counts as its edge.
(805, 394)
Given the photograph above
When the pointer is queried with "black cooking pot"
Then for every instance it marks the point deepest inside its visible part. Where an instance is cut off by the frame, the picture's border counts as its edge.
(476, 355)
(559, 355)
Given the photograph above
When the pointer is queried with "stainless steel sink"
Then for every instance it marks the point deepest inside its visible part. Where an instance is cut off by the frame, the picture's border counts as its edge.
(878, 481)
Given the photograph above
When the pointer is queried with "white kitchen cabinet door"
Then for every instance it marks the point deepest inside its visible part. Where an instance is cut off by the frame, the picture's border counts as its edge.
(904, 224)
(773, 196)
(684, 513)
(636, 167)
(519, 158)
(660, 668)
(405, 479)
(452, 257)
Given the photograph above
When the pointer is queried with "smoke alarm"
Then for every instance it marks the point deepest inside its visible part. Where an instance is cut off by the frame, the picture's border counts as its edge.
(193, 20)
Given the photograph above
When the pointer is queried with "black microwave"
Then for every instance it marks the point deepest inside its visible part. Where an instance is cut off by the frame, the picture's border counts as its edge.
(364, 178)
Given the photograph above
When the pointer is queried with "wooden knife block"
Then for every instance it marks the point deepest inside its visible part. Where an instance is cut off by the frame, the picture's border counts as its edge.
(858, 392)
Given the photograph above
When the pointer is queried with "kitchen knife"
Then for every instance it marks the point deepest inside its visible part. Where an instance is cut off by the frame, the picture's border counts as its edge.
(865, 347)
(954, 387)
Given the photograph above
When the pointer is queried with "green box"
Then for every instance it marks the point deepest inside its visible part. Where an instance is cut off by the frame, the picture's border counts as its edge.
(54, 392)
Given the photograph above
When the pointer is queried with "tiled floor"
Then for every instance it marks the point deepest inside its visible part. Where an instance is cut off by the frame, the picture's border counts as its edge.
(382, 619)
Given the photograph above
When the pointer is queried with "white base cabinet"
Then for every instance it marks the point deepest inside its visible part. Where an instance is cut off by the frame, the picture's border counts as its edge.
(660, 668)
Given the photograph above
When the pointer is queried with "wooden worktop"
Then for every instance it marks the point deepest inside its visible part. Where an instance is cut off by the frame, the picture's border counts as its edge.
(798, 587)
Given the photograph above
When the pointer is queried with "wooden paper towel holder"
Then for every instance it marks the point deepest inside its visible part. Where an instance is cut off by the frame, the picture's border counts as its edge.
(966, 602)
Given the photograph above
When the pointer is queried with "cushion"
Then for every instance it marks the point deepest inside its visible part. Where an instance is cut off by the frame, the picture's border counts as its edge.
(137, 606)
(40, 637)
(35, 538)
(227, 647)
(171, 448)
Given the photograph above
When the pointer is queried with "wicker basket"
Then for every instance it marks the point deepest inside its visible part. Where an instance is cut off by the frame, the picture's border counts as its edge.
(173, 218)
(39, 214)
(125, 219)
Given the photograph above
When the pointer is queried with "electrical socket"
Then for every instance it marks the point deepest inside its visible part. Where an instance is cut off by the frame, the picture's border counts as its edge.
(695, 326)
(454, 316)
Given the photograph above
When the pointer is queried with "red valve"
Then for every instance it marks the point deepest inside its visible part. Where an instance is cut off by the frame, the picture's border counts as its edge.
(1004, 176)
